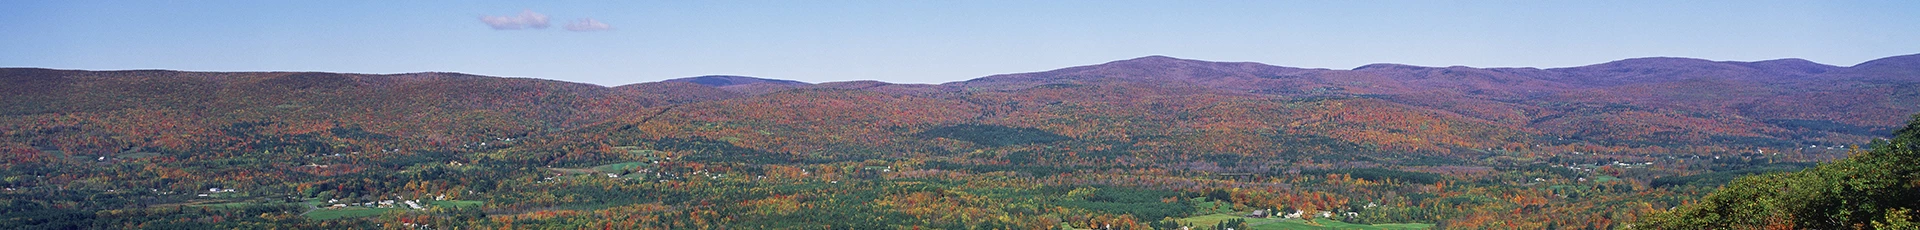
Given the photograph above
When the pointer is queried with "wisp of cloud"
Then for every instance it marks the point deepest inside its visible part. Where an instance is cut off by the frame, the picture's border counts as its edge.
(588, 24)
(526, 20)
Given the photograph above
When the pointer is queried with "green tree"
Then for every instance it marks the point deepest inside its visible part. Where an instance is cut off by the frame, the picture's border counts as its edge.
(1873, 189)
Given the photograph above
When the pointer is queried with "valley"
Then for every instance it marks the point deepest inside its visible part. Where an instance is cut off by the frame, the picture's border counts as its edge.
(1148, 143)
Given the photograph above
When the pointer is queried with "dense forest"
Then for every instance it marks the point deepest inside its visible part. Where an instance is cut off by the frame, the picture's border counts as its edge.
(1150, 143)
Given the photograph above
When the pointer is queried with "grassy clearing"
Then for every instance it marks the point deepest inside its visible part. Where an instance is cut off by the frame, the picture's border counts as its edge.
(329, 214)
(616, 167)
(222, 205)
(1210, 220)
(1203, 207)
(314, 202)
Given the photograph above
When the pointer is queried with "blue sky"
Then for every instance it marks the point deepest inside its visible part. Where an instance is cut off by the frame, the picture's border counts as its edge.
(924, 41)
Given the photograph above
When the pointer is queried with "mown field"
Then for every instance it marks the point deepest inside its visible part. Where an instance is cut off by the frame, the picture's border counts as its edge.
(329, 214)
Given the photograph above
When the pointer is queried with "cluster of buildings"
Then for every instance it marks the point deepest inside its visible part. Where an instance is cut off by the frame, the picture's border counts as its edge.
(210, 191)
(414, 204)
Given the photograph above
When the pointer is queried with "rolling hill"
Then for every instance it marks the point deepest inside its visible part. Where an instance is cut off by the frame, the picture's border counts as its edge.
(1470, 142)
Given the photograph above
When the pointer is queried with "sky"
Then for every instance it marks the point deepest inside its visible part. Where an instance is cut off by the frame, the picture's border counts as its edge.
(614, 43)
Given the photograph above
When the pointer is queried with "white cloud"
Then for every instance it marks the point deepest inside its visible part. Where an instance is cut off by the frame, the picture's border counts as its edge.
(588, 24)
(526, 20)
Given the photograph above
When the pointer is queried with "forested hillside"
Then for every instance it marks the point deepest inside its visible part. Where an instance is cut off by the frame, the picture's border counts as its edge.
(1876, 188)
(1147, 143)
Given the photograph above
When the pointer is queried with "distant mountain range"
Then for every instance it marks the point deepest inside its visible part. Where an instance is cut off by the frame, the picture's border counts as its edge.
(1156, 103)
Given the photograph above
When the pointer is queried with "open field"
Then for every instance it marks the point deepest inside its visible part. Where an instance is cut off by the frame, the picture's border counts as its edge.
(328, 214)
(617, 166)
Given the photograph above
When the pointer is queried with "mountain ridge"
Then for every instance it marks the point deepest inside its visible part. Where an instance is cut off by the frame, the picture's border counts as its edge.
(1655, 92)
(1161, 61)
